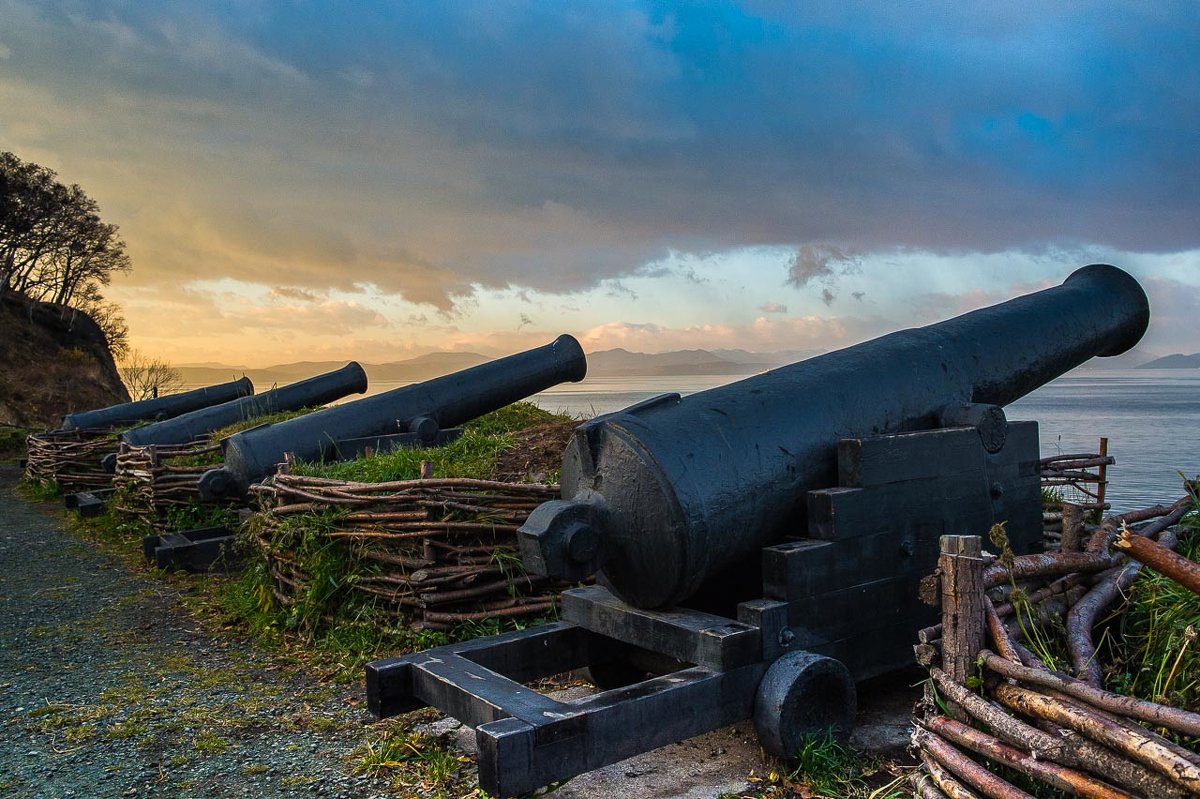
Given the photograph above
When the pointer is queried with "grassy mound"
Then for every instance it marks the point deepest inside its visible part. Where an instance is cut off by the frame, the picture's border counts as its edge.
(320, 604)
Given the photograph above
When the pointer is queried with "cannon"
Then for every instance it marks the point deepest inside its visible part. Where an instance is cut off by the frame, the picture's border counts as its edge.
(758, 546)
(419, 412)
(318, 390)
(159, 408)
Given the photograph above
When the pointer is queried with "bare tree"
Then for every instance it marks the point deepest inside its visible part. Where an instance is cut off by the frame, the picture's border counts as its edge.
(147, 377)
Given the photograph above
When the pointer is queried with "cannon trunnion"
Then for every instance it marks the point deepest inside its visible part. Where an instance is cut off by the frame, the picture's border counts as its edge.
(839, 473)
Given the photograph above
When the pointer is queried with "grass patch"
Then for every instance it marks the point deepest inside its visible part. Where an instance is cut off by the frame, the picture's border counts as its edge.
(472, 455)
(823, 767)
(342, 625)
(38, 490)
(12, 442)
(209, 743)
(1156, 654)
(417, 760)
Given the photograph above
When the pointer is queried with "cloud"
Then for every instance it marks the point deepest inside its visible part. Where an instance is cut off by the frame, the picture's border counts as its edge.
(292, 293)
(763, 334)
(455, 149)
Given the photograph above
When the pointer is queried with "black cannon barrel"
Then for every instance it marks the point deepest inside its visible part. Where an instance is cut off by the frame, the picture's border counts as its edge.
(317, 390)
(664, 494)
(159, 408)
(422, 408)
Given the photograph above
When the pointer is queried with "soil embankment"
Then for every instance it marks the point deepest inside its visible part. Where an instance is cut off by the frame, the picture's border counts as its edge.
(53, 361)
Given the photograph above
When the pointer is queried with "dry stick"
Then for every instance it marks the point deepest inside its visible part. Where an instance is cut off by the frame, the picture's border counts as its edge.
(1000, 638)
(1131, 725)
(1181, 721)
(1141, 748)
(1077, 752)
(1107, 531)
(1059, 586)
(1048, 564)
(923, 786)
(1162, 560)
(965, 768)
(516, 610)
(1061, 777)
(944, 780)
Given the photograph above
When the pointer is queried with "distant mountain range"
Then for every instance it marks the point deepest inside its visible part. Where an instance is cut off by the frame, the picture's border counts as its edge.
(1177, 361)
(607, 363)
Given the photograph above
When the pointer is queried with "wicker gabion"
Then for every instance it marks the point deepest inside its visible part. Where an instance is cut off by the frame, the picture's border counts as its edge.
(71, 458)
(432, 553)
(151, 480)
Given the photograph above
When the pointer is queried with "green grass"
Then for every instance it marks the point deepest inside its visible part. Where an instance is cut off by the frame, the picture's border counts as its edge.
(215, 457)
(341, 624)
(824, 767)
(472, 455)
(413, 760)
(1156, 655)
(12, 442)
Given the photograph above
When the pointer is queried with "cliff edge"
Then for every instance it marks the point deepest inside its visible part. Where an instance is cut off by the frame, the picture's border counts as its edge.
(53, 361)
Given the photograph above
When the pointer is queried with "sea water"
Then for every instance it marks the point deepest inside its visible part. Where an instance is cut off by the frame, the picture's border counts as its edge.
(1151, 418)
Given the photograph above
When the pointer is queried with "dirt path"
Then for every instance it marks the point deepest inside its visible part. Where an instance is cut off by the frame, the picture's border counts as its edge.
(107, 690)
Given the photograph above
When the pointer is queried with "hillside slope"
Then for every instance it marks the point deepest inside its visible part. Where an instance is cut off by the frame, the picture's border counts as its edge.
(52, 363)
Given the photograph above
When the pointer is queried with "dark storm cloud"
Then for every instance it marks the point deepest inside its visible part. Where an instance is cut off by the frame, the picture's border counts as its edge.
(432, 148)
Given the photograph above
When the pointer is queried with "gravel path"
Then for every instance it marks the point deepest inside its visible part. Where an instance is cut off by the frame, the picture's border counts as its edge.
(108, 688)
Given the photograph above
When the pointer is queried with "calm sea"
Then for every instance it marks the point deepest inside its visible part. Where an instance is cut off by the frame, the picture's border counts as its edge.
(1150, 416)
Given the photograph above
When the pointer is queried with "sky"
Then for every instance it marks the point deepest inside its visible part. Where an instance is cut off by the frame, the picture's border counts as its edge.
(377, 180)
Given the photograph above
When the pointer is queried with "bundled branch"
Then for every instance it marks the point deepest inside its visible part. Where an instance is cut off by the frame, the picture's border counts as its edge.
(433, 552)
(1054, 729)
(71, 458)
(158, 477)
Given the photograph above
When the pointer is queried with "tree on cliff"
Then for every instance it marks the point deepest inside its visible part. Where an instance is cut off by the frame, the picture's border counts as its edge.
(54, 247)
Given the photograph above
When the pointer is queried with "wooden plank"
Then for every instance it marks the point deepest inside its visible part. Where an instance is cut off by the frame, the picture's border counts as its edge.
(963, 501)
(899, 457)
(806, 567)
(705, 639)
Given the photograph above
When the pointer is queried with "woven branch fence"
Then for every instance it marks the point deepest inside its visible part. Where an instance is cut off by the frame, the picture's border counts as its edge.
(157, 477)
(71, 458)
(1082, 482)
(993, 702)
(433, 552)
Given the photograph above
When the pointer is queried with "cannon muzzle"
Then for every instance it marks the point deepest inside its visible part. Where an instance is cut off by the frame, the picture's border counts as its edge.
(661, 496)
(159, 408)
(422, 409)
(318, 390)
